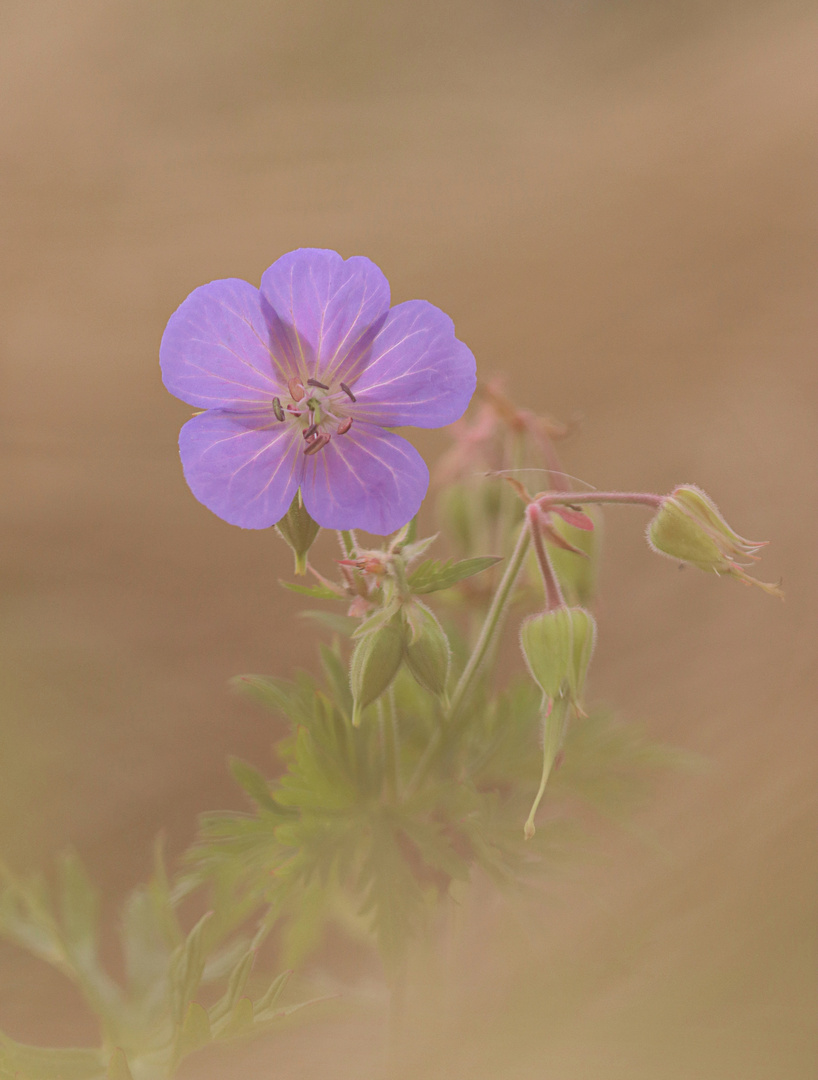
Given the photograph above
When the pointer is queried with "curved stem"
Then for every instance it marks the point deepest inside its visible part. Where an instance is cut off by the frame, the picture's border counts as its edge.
(553, 592)
(566, 498)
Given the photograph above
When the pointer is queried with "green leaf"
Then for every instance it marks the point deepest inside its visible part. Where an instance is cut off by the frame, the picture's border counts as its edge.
(80, 907)
(195, 1031)
(145, 944)
(339, 624)
(118, 1068)
(256, 786)
(414, 549)
(294, 700)
(186, 968)
(337, 677)
(273, 992)
(432, 575)
(315, 592)
(240, 1021)
(38, 1063)
(264, 1019)
(235, 986)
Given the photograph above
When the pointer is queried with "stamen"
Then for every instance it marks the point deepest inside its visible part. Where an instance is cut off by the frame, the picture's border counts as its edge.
(296, 388)
(310, 431)
(317, 444)
(348, 392)
(315, 382)
(344, 426)
(277, 409)
(292, 409)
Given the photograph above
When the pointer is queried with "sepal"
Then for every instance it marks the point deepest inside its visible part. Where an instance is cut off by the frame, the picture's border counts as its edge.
(299, 531)
(375, 663)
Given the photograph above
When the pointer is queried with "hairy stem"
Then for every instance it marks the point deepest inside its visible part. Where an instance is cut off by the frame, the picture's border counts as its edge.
(493, 622)
(553, 592)
(568, 498)
(348, 542)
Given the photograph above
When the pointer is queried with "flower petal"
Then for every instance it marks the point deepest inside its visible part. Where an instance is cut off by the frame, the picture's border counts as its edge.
(417, 371)
(366, 479)
(216, 350)
(244, 467)
(331, 308)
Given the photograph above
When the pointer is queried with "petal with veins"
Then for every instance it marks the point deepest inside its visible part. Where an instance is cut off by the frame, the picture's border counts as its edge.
(331, 308)
(416, 371)
(244, 467)
(217, 350)
(366, 479)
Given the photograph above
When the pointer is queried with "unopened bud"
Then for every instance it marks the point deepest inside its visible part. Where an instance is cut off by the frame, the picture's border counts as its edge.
(689, 528)
(375, 664)
(557, 647)
(299, 530)
(427, 649)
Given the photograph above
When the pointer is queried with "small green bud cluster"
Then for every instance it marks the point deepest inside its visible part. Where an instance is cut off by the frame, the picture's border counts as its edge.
(689, 528)
(411, 634)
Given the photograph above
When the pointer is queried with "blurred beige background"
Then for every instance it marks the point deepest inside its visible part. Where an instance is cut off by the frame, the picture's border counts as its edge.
(615, 203)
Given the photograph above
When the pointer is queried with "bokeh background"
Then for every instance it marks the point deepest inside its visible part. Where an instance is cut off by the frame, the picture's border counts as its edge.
(614, 201)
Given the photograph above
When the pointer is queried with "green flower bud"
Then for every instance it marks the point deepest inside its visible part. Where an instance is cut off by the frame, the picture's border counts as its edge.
(375, 664)
(427, 649)
(689, 528)
(299, 530)
(557, 647)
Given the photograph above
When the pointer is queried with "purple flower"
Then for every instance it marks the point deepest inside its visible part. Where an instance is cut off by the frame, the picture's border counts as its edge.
(300, 381)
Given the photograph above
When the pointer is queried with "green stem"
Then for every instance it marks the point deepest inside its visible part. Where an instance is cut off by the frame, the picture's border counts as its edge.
(392, 753)
(348, 542)
(493, 622)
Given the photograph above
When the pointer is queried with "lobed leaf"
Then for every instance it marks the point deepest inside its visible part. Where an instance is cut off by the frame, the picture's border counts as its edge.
(432, 575)
(315, 592)
(252, 781)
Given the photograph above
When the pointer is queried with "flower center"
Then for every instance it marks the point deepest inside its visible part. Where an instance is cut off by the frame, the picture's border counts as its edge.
(318, 409)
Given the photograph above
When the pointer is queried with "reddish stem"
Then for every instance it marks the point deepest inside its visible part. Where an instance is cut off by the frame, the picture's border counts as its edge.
(553, 592)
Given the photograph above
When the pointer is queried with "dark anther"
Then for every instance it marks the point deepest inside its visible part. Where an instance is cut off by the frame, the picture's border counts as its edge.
(316, 444)
(344, 426)
(348, 392)
(277, 409)
(310, 431)
(315, 382)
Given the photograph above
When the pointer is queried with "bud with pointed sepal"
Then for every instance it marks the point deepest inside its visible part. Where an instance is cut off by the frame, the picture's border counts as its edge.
(428, 652)
(689, 528)
(375, 664)
(299, 530)
(557, 647)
